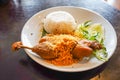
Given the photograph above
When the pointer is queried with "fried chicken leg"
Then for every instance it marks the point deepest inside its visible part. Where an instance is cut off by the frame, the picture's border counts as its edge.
(84, 48)
(42, 49)
(50, 46)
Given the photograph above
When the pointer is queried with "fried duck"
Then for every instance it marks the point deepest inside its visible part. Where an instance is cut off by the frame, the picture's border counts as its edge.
(50, 46)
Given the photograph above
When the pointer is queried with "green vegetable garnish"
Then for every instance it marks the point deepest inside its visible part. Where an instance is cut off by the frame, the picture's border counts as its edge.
(101, 54)
(93, 32)
(44, 32)
(87, 23)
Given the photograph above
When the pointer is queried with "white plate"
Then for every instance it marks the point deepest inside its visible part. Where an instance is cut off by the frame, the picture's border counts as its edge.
(31, 34)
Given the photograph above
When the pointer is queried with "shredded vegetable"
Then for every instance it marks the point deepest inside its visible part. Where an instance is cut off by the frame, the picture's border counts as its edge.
(93, 32)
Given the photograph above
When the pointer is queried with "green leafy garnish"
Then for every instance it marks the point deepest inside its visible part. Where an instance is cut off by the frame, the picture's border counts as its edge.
(93, 32)
(44, 32)
(101, 54)
(87, 23)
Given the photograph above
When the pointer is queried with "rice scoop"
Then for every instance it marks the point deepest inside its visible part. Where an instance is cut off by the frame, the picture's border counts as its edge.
(59, 22)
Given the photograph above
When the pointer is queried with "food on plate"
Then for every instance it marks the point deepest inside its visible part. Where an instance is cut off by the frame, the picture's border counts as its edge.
(90, 31)
(85, 48)
(63, 42)
(93, 32)
(59, 22)
(58, 48)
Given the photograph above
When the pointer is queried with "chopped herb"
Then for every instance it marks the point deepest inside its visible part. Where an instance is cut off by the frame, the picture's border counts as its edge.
(87, 23)
(44, 32)
(102, 40)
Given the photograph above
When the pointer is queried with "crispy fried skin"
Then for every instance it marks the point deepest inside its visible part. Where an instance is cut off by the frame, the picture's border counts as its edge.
(49, 46)
(81, 51)
(45, 51)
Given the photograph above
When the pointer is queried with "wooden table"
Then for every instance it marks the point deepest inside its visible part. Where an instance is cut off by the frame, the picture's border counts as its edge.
(18, 66)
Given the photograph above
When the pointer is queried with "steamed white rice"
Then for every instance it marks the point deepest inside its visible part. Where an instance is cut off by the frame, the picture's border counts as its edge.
(59, 22)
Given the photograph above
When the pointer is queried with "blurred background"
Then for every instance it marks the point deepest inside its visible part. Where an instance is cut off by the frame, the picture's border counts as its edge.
(114, 3)
(19, 11)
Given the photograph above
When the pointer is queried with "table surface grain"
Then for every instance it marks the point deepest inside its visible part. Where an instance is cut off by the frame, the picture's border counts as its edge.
(18, 66)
